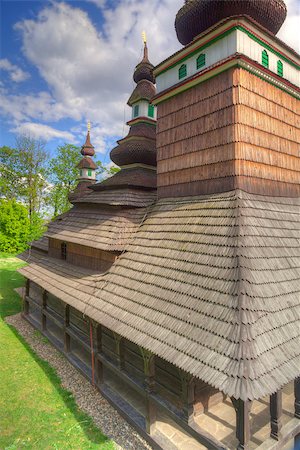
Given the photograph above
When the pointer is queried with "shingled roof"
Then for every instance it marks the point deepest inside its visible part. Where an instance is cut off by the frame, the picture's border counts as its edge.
(211, 284)
(120, 197)
(105, 229)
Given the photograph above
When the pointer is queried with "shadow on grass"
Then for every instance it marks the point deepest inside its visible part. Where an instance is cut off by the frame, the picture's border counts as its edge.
(11, 304)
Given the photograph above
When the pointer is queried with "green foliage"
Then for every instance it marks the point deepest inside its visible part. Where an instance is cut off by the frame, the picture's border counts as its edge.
(16, 230)
(36, 412)
(23, 173)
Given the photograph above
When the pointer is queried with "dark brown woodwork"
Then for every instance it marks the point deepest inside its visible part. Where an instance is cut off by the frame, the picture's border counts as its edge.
(188, 396)
(276, 414)
(149, 371)
(66, 324)
(44, 304)
(98, 351)
(119, 342)
(297, 397)
(242, 410)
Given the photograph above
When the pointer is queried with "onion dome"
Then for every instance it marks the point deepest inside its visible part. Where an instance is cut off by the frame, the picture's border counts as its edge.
(198, 15)
(87, 149)
(145, 90)
(86, 163)
(144, 70)
(134, 151)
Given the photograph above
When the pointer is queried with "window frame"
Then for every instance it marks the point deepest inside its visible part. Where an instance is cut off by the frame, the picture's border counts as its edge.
(136, 110)
(151, 111)
(201, 61)
(182, 71)
(265, 58)
(280, 68)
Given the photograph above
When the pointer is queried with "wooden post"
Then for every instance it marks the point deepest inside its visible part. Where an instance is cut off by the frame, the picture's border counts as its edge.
(188, 396)
(25, 301)
(44, 304)
(66, 324)
(149, 371)
(242, 409)
(119, 341)
(297, 397)
(276, 414)
(98, 351)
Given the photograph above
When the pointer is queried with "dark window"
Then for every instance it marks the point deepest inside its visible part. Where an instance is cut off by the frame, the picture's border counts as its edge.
(265, 58)
(80, 172)
(151, 111)
(136, 111)
(280, 68)
(182, 71)
(201, 61)
(63, 250)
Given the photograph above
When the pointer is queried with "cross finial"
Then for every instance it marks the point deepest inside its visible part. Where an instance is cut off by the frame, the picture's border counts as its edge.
(89, 126)
(144, 37)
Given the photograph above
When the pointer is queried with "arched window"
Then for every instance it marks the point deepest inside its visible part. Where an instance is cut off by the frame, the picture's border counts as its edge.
(136, 111)
(201, 61)
(80, 172)
(182, 71)
(151, 111)
(89, 172)
(265, 58)
(280, 68)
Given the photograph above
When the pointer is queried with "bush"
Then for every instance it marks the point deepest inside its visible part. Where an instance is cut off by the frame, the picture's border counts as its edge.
(15, 228)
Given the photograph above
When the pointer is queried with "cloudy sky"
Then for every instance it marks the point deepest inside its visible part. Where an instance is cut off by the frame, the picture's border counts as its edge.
(64, 63)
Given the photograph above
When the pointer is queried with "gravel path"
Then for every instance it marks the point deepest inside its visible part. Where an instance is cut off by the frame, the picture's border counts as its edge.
(87, 397)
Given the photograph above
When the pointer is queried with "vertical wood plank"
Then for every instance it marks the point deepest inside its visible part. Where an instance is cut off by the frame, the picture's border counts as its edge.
(276, 414)
(297, 397)
(242, 409)
(188, 396)
(66, 324)
(149, 371)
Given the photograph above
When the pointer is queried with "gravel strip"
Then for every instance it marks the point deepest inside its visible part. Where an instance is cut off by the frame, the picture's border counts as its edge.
(87, 397)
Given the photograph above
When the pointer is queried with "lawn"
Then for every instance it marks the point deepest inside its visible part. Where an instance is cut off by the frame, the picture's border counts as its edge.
(35, 411)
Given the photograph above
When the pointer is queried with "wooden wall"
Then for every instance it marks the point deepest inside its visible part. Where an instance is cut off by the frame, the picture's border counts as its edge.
(81, 255)
(233, 131)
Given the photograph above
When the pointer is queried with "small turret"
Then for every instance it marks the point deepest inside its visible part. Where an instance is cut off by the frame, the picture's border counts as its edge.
(87, 169)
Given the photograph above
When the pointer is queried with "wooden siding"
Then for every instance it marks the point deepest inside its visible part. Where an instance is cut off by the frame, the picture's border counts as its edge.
(81, 255)
(233, 131)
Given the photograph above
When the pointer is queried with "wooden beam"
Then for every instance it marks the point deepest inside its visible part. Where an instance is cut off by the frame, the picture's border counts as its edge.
(66, 324)
(297, 397)
(119, 341)
(98, 350)
(149, 371)
(188, 395)
(276, 414)
(242, 409)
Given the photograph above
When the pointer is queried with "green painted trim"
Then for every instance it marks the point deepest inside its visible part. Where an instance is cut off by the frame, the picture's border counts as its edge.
(233, 63)
(267, 46)
(221, 36)
(182, 71)
(208, 44)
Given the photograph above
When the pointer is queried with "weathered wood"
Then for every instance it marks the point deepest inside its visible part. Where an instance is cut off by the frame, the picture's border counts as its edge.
(276, 415)
(188, 395)
(242, 409)
(66, 324)
(119, 343)
(297, 397)
(149, 371)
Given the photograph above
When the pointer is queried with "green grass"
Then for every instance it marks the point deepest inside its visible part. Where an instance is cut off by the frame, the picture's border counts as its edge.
(35, 411)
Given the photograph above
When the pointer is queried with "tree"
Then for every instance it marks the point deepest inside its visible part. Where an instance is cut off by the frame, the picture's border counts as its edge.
(24, 173)
(16, 230)
(63, 174)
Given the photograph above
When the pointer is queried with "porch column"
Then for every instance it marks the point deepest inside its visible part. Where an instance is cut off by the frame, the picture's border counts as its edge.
(119, 341)
(188, 396)
(98, 351)
(44, 305)
(276, 414)
(242, 409)
(66, 324)
(149, 371)
(297, 408)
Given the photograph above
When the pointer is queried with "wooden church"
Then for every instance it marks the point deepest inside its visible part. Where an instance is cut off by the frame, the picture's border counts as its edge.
(174, 285)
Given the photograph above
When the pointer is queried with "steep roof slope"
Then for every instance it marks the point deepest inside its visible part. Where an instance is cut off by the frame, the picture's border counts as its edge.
(211, 284)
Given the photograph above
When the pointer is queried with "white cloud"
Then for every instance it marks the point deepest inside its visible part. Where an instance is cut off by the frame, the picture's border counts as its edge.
(89, 72)
(289, 32)
(16, 74)
(40, 131)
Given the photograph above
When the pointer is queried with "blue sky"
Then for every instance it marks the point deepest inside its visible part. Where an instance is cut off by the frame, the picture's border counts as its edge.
(64, 63)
